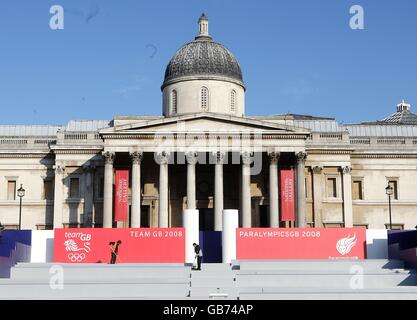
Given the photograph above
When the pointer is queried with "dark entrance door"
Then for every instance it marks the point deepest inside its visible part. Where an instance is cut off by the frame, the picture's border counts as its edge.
(144, 217)
(206, 217)
(263, 217)
(210, 240)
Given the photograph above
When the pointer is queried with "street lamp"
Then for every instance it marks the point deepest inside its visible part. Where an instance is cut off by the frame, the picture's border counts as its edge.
(20, 194)
(389, 190)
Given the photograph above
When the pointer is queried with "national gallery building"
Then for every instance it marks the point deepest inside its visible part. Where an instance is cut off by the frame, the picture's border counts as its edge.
(204, 153)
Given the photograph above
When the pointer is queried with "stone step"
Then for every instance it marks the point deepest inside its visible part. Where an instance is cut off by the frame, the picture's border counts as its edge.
(100, 273)
(212, 282)
(400, 289)
(319, 264)
(212, 274)
(214, 292)
(341, 271)
(328, 296)
(325, 280)
(87, 290)
(216, 266)
(147, 280)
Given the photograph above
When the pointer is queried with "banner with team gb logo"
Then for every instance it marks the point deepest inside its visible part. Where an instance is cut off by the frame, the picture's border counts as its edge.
(119, 245)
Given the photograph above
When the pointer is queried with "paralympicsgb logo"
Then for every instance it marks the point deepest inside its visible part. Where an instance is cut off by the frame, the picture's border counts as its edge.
(71, 245)
(344, 245)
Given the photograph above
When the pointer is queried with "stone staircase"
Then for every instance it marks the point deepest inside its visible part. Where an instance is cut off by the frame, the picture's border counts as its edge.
(285, 279)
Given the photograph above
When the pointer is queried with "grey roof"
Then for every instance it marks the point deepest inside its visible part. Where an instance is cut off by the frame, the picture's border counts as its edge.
(51, 130)
(29, 130)
(86, 125)
(319, 125)
(203, 59)
(401, 117)
(381, 130)
(291, 116)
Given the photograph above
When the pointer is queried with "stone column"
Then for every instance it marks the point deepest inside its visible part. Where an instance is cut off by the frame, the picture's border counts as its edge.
(347, 196)
(136, 191)
(218, 191)
(108, 190)
(192, 158)
(246, 195)
(58, 195)
(318, 184)
(88, 194)
(273, 190)
(301, 193)
(163, 158)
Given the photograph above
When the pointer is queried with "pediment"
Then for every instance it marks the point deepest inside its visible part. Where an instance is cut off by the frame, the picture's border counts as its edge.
(203, 123)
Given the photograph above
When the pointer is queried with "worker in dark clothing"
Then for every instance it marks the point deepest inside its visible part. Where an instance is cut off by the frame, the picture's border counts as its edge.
(114, 249)
(198, 255)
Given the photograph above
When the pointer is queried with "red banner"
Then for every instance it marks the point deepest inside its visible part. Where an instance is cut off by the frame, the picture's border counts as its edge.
(121, 200)
(287, 195)
(308, 243)
(122, 245)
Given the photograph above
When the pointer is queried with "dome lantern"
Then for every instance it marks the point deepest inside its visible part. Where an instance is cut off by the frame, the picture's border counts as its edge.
(203, 28)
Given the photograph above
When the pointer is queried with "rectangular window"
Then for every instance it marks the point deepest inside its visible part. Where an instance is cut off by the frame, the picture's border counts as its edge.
(331, 188)
(48, 191)
(357, 190)
(74, 188)
(11, 190)
(394, 186)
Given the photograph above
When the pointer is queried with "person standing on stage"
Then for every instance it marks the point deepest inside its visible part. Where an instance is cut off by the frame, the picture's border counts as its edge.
(198, 255)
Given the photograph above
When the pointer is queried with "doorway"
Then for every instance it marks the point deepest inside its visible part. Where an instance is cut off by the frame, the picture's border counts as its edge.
(206, 219)
(263, 216)
(144, 216)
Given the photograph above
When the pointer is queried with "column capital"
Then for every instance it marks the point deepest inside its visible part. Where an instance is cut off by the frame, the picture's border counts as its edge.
(247, 157)
(192, 157)
(163, 157)
(317, 169)
(109, 157)
(346, 169)
(301, 157)
(219, 156)
(137, 157)
(273, 157)
(59, 169)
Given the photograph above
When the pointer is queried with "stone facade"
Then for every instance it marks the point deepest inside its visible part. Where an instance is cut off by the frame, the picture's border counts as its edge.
(210, 159)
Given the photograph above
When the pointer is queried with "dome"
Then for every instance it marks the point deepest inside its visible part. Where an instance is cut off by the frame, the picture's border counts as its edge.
(203, 59)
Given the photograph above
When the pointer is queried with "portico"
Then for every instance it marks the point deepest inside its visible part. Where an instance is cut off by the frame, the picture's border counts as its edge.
(190, 164)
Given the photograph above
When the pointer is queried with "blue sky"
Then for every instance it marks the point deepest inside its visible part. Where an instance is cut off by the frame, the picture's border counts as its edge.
(297, 56)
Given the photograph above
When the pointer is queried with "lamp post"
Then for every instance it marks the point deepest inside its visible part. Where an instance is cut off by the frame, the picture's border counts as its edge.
(389, 191)
(20, 194)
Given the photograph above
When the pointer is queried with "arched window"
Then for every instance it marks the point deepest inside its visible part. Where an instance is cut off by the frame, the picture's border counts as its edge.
(174, 101)
(204, 99)
(233, 101)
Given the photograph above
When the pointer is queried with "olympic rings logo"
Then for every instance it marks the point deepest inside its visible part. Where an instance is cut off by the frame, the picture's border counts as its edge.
(76, 257)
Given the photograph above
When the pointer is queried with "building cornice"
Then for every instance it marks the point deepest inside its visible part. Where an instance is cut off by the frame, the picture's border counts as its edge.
(329, 151)
(84, 151)
(383, 156)
(25, 155)
(77, 149)
(208, 135)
